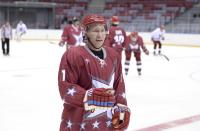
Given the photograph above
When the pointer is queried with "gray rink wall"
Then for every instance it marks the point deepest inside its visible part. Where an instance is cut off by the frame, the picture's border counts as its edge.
(170, 38)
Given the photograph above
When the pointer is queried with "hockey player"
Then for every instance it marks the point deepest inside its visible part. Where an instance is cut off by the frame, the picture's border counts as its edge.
(91, 84)
(157, 36)
(6, 35)
(72, 34)
(21, 29)
(134, 43)
(116, 36)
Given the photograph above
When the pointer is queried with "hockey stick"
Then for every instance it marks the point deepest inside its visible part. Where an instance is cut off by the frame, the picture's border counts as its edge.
(163, 55)
(51, 42)
(167, 58)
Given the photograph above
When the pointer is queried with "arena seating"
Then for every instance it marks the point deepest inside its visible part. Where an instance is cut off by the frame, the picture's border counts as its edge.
(141, 15)
(150, 13)
(69, 9)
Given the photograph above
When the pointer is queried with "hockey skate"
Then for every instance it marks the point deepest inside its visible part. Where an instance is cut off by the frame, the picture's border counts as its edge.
(159, 52)
(154, 53)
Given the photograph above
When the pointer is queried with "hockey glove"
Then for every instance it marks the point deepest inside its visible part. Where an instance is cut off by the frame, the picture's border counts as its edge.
(121, 117)
(99, 98)
(61, 43)
(146, 52)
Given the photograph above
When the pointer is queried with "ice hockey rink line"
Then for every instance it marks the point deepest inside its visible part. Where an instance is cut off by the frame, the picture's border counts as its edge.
(172, 124)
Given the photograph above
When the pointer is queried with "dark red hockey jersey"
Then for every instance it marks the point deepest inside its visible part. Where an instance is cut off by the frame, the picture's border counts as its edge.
(135, 46)
(72, 36)
(79, 71)
(116, 38)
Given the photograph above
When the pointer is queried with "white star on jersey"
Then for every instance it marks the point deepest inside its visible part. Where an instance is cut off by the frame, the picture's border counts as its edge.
(69, 124)
(108, 123)
(71, 91)
(124, 95)
(83, 125)
(96, 124)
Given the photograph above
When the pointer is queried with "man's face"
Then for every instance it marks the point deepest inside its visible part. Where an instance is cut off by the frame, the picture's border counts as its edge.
(162, 27)
(133, 38)
(96, 34)
(77, 23)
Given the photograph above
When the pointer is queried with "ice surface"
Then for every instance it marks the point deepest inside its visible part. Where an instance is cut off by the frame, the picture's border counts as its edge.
(166, 91)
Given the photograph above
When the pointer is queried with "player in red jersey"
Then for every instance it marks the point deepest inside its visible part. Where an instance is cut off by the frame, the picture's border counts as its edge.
(72, 34)
(91, 84)
(134, 43)
(116, 36)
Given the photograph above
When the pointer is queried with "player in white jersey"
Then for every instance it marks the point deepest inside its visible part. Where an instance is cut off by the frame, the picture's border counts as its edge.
(21, 29)
(157, 36)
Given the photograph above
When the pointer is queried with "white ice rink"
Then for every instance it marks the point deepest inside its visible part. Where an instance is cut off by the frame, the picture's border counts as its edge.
(165, 98)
